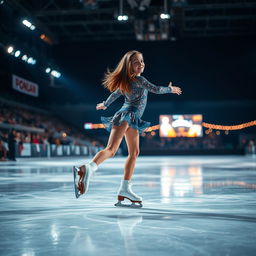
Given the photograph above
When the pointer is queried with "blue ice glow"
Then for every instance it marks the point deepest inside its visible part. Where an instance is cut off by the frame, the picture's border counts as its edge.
(195, 205)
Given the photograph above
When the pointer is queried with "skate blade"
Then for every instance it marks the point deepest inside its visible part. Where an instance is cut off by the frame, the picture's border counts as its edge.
(133, 205)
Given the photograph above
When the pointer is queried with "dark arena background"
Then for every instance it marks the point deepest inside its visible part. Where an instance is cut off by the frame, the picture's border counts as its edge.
(196, 169)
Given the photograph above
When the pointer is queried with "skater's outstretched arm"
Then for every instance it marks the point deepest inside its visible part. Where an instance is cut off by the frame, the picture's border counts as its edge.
(158, 89)
(112, 97)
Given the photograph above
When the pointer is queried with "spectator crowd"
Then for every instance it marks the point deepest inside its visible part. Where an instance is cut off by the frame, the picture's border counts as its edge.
(207, 142)
(26, 126)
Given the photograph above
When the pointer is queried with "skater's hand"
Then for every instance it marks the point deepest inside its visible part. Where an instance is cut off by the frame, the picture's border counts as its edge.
(175, 89)
(100, 106)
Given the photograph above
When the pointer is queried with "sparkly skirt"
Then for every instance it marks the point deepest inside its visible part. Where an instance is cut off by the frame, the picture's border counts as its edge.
(129, 114)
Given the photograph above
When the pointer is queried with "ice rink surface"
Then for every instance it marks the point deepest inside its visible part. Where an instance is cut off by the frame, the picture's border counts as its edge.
(191, 206)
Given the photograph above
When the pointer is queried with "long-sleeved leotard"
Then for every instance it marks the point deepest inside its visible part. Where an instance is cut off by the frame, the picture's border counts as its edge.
(134, 105)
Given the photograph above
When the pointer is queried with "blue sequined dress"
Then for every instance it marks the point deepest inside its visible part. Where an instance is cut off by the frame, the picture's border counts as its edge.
(134, 105)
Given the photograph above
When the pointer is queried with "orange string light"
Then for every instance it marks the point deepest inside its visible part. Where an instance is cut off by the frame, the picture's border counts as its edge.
(206, 125)
(229, 127)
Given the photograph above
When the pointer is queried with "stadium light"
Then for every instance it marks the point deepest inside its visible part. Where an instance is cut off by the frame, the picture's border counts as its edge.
(10, 49)
(31, 61)
(121, 16)
(48, 70)
(28, 24)
(55, 73)
(17, 54)
(165, 16)
(24, 57)
(1, 2)
(32, 27)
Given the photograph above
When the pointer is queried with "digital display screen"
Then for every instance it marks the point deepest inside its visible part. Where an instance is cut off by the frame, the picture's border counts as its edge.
(180, 126)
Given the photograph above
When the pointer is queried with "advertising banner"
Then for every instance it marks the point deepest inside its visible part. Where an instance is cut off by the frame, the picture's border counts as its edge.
(24, 86)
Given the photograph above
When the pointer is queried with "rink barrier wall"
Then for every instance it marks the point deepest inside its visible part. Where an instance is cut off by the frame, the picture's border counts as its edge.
(151, 152)
(52, 150)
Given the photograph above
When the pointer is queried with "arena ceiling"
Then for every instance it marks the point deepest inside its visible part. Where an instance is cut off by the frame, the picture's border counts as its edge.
(96, 20)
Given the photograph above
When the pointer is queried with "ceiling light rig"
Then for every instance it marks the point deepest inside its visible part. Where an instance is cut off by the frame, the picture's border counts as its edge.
(42, 36)
(53, 72)
(30, 60)
(121, 16)
(165, 15)
(17, 53)
(28, 24)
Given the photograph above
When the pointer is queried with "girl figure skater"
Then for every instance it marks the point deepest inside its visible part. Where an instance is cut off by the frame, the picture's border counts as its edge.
(125, 80)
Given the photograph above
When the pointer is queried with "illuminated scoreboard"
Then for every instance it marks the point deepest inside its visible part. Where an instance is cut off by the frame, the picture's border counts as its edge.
(180, 126)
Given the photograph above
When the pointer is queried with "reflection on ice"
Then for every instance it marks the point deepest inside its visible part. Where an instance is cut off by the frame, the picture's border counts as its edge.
(127, 225)
(54, 234)
(180, 181)
(28, 252)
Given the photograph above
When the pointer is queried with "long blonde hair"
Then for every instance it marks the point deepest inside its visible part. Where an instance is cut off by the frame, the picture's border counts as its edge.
(122, 75)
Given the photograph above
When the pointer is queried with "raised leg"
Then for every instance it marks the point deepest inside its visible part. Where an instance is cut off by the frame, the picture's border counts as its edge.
(82, 174)
(114, 141)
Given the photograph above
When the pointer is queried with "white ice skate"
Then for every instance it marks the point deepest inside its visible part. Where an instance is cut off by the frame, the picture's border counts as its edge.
(82, 176)
(125, 192)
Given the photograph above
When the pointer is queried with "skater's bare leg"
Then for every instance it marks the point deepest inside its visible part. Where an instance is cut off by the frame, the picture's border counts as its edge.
(132, 141)
(125, 189)
(84, 172)
(114, 141)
